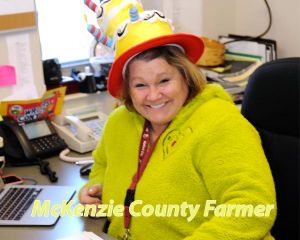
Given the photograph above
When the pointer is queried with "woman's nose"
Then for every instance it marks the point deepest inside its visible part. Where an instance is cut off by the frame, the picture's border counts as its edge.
(154, 93)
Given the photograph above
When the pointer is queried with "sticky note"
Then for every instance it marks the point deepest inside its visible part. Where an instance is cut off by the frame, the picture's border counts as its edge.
(7, 75)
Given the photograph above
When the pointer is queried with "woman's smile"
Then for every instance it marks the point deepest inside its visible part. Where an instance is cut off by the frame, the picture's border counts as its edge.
(157, 106)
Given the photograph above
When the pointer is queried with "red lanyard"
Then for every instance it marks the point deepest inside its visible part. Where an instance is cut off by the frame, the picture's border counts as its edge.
(144, 156)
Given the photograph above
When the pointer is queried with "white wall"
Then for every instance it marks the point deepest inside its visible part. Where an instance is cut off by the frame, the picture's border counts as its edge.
(251, 18)
(183, 13)
(212, 18)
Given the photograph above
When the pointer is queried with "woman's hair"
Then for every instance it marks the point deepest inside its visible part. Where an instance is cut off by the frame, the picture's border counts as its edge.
(175, 57)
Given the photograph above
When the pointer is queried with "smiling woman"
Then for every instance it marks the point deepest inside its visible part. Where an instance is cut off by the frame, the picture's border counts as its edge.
(177, 142)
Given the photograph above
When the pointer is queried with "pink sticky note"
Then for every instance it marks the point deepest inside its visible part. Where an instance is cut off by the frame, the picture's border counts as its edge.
(7, 75)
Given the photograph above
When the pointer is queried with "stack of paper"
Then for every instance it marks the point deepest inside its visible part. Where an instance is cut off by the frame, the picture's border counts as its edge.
(232, 75)
(244, 46)
(242, 57)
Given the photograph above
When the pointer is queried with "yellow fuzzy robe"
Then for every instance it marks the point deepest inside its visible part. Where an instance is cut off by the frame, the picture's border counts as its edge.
(208, 152)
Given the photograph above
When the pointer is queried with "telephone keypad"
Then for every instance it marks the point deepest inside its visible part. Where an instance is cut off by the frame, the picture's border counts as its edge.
(47, 144)
(96, 125)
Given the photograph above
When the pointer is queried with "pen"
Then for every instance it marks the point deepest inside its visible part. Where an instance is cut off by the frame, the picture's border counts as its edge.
(84, 162)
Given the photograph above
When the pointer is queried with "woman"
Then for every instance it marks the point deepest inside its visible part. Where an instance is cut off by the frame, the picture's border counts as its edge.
(202, 152)
(178, 160)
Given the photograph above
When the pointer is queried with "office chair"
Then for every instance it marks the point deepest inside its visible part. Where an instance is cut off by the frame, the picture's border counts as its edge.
(271, 104)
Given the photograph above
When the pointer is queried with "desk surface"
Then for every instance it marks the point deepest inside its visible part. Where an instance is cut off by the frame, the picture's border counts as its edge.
(68, 175)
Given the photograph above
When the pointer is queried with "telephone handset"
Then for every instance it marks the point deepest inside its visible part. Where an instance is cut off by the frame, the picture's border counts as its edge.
(81, 131)
(27, 143)
(16, 142)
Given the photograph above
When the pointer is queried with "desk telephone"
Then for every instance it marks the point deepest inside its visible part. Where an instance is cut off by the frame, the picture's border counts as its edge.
(81, 130)
(25, 144)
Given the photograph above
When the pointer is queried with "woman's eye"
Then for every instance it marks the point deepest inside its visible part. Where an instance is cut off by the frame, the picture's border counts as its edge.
(164, 80)
(139, 85)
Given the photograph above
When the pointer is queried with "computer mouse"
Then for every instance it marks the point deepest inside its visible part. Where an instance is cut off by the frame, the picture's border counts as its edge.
(86, 169)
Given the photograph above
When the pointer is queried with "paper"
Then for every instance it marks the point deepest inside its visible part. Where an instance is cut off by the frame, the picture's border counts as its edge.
(83, 236)
(244, 76)
(19, 56)
(245, 47)
(7, 75)
(16, 6)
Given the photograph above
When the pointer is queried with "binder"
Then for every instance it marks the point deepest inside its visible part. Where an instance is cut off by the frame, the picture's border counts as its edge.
(265, 48)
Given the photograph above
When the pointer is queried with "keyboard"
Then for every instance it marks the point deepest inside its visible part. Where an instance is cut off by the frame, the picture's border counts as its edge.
(16, 202)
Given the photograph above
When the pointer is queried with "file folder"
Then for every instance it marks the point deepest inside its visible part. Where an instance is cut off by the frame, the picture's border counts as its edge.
(264, 48)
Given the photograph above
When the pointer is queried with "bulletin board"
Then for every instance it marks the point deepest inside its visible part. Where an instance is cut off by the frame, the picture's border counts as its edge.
(20, 49)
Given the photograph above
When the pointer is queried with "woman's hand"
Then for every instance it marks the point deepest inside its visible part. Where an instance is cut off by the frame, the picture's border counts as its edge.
(91, 195)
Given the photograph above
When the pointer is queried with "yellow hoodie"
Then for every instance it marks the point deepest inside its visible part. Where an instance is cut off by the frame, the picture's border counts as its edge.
(207, 179)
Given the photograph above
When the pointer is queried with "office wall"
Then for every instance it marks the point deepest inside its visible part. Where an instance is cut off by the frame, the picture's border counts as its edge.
(244, 17)
(286, 23)
(181, 12)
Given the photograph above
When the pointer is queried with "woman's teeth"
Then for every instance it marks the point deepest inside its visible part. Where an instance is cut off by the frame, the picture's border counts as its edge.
(157, 106)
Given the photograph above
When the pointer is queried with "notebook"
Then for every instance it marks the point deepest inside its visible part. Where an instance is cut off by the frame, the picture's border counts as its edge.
(17, 203)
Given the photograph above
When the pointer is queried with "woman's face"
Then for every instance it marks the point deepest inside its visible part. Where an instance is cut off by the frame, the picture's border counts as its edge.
(157, 89)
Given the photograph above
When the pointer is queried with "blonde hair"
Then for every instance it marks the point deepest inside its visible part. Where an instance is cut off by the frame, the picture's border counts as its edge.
(175, 57)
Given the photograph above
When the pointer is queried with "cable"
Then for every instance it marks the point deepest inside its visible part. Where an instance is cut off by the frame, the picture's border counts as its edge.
(260, 35)
(63, 156)
(34, 182)
(270, 20)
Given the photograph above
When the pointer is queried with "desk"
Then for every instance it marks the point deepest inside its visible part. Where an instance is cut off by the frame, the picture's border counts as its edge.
(68, 175)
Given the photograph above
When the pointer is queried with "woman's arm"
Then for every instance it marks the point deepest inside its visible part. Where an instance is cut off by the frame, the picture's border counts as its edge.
(236, 173)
